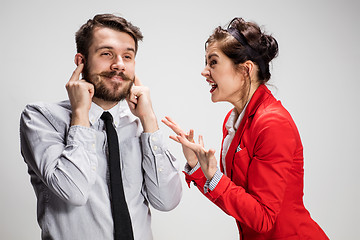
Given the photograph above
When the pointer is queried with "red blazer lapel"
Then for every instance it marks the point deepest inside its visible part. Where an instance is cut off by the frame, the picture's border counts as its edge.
(229, 158)
(225, 132)
(259, 96)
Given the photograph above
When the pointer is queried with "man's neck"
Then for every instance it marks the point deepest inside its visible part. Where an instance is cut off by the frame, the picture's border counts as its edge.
(106, 105)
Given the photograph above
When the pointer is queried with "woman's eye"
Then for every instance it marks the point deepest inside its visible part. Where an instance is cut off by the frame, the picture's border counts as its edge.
(212, 63)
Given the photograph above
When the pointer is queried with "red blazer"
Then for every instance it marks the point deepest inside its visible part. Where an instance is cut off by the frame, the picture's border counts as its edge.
(264, 187)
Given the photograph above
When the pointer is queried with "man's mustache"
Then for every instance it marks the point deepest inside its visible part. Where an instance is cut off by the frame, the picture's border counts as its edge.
(114, 73)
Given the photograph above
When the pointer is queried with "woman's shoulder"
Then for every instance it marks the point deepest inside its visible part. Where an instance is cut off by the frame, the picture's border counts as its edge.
(272, 117)
(273, 112)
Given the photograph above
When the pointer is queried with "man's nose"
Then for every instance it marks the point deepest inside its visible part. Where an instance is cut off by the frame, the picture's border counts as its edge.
(118, 64)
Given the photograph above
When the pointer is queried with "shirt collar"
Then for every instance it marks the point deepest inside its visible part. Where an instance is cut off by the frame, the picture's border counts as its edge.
(121, 109)
(234, 119)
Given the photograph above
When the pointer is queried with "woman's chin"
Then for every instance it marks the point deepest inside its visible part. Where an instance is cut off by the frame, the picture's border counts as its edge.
(214, 99)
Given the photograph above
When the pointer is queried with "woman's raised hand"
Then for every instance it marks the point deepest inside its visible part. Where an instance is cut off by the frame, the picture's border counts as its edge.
(188, 153)
(194, 152)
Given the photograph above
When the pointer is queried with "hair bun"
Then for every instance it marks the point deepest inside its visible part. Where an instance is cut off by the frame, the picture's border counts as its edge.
(243, 41)
(269, 47)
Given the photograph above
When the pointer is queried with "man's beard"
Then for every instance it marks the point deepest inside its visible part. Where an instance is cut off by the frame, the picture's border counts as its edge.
(104, 92)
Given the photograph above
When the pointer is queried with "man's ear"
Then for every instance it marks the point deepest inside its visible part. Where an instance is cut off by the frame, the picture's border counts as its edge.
(79, 58)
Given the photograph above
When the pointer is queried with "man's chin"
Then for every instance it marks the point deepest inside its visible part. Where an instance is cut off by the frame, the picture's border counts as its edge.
(111, 98)
(114, 96)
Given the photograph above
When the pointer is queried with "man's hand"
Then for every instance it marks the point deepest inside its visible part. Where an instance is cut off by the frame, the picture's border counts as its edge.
(140, 105)
(80, 95)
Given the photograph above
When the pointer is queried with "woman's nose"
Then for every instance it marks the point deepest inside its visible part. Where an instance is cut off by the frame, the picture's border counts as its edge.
(205, 72)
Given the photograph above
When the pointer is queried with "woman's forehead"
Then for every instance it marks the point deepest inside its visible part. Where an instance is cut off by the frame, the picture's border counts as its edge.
(212, 50)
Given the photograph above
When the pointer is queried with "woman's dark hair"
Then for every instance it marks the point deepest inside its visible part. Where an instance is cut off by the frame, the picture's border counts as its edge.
(243, 41)
(84, 35)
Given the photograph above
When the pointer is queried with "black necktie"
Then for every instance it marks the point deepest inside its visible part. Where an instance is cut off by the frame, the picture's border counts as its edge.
(122, 222)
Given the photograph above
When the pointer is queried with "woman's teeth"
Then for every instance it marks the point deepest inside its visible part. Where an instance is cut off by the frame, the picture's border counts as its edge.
(213, 86)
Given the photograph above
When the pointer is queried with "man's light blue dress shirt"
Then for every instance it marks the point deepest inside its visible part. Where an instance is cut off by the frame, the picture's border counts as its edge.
(68, 168)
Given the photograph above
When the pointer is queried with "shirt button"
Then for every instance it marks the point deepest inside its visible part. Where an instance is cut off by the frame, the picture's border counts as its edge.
(93, 145)
(155, 148)
(153, 138)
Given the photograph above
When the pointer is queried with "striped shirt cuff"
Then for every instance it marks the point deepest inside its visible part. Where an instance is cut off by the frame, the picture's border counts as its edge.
(188, 170)
(211, 184)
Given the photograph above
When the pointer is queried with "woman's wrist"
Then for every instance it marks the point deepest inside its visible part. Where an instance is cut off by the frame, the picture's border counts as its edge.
(209, 174)
(192, 163)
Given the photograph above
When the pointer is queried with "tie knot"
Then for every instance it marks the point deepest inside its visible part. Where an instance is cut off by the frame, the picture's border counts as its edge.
(106, 116)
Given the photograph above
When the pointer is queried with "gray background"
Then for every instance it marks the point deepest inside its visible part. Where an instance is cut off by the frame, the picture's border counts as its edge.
(316, 76)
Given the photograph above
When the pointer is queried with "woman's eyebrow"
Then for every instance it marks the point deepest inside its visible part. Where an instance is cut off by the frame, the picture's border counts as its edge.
(213, 55)
(210, 56)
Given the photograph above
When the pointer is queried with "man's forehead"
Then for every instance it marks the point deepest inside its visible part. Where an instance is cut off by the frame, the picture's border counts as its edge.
(107, 37)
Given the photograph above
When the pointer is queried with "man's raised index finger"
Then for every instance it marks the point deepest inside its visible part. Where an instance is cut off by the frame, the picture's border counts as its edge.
(137, 81)
(76, 74)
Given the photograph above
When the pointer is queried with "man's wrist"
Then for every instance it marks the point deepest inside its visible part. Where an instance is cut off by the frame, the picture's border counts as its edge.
(80, 118)
(149, 123)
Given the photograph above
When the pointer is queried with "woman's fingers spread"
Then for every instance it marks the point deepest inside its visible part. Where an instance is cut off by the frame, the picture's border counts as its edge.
(201, 140)
(174, 138)
(211, 153)
(172, 124)
(193, 146)
(191, 135)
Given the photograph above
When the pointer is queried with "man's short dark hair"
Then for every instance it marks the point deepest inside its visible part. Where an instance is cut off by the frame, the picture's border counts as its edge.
(84, 35)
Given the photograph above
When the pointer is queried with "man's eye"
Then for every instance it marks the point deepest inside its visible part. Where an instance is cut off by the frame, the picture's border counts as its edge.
(105, 54)
(212, 63)
(128, 57)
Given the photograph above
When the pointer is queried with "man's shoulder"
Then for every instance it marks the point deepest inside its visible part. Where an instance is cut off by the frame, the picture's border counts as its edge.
(51, 108)
(58, 113)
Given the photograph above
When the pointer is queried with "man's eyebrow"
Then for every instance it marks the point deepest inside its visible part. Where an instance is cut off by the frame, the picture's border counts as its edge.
(103, 47)
(111, 48)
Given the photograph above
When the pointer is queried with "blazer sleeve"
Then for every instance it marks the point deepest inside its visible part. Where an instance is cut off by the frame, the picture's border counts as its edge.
(257, 206)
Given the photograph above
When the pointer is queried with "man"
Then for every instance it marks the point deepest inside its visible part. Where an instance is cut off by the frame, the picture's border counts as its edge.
(65, 144)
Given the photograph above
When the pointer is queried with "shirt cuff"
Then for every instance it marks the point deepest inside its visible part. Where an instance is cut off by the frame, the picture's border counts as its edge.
(154, 141)
(80, 135)
(188, 170)
(211, 184)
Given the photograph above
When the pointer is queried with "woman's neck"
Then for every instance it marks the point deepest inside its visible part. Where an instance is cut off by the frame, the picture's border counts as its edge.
(240, 105)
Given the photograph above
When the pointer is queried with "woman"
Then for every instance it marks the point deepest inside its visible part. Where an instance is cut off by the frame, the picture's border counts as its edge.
(260, 181)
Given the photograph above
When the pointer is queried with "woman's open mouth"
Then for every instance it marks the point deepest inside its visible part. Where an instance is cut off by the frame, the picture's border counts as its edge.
(213, 85)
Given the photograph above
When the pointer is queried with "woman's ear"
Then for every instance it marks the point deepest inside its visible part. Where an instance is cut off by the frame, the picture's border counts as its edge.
(246, 68)
(249, 66)
(79, 58)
